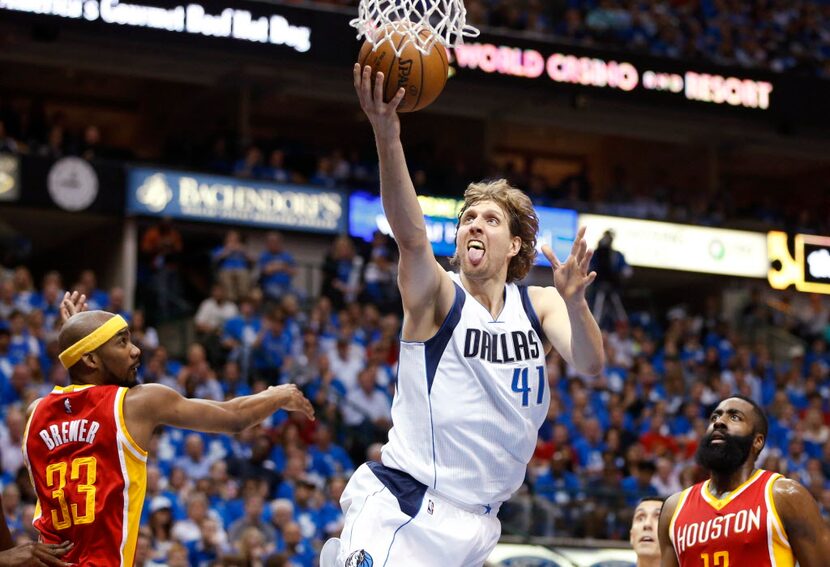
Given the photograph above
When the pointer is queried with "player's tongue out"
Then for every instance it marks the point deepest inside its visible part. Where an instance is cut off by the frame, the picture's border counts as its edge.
(475, 252)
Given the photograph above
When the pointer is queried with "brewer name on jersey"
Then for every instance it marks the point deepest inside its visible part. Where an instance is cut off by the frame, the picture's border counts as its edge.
(722, 527)
(72, 431)
(502, 347)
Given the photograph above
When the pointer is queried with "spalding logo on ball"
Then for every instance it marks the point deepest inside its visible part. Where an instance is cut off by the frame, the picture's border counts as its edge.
(422, 76)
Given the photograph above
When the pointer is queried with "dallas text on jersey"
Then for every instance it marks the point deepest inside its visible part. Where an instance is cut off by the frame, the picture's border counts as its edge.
(501, 347)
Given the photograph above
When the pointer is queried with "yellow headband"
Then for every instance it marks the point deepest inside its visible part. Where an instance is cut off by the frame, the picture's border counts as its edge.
(92, 341)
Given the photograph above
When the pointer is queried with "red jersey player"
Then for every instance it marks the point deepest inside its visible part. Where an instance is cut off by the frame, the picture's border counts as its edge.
(741, 516)
(85, 444)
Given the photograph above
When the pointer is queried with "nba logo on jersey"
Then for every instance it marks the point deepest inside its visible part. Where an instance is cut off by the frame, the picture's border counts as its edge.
(430, 507)
(359, 558)
(67, 406)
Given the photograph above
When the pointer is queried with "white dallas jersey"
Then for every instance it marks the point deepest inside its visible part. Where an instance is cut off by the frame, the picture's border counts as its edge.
(471, 399)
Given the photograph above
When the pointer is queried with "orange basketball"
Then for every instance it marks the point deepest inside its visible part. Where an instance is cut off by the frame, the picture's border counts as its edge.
(423, 76)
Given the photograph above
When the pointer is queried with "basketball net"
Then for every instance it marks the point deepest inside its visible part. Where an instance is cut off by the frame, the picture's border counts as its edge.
(379, 20)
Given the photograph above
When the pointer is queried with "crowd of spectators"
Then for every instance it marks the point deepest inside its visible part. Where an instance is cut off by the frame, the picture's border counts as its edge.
(663, 196)
(269, 496)
(786, 36)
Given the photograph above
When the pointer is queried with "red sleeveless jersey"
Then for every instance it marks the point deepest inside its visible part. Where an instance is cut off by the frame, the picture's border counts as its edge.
(741, 530)
(88, 472)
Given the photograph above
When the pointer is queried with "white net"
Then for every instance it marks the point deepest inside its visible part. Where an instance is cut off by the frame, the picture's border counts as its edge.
(382, 21)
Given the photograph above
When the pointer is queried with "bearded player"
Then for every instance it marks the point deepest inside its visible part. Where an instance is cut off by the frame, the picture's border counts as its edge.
(85, 444)
(741, 516)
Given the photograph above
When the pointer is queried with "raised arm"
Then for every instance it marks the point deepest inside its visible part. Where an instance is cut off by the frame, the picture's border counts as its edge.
(563, 310)
(426, 290)
(668, 557)
(806, 530)
(150, 405)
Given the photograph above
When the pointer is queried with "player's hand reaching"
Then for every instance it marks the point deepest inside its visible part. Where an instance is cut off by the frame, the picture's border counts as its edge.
(571, 278)
(382, 115)
(292, 399)
(39, 554)
(71, 304)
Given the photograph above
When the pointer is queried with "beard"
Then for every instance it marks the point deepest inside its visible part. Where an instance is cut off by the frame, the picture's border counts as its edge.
(128, 380)
(726, 457)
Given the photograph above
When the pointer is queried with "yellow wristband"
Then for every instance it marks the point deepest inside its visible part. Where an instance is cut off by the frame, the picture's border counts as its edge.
(92, 341)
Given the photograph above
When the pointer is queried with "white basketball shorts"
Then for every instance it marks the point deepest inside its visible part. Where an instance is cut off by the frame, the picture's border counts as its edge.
(392, 520)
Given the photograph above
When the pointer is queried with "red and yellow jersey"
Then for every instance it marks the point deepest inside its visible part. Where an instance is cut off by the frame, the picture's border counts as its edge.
(741, 529)
(88, 472)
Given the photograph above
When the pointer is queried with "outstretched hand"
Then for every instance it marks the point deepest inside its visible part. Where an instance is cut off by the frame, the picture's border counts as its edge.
(571, 278)
(71, 304)
(39, 554)
(382, 115)
(293, 399)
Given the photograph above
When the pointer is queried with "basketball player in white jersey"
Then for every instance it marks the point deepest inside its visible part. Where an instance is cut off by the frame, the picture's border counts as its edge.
(472, 389)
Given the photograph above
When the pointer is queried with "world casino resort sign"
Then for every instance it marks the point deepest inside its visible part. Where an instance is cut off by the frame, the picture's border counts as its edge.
(605, 72)
(212, 198)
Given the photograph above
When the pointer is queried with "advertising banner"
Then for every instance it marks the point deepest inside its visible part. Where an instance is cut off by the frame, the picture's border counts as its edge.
(213, 198)
(671, 246)
(809, 271)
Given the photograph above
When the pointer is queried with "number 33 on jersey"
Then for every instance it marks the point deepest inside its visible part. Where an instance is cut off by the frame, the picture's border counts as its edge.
(90, 473)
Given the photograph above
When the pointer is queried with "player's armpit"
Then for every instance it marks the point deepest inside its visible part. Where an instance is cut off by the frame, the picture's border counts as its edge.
(427, 293)
(806, 530)
(668, 558)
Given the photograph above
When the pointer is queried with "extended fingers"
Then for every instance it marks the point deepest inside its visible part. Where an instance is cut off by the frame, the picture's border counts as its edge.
(371, 94)
(363, 84)
(304, 404)
(379, 82)
(356, 77)
(396, 100)
(578, 240)
(308, 409)
(49, 554)
(551, 256)
(585, 262)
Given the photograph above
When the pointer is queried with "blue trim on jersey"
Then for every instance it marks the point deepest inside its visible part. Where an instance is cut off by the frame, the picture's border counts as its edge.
(391, 543)
(531, 312)
(407, 491)
(435, 346)
(432, 432)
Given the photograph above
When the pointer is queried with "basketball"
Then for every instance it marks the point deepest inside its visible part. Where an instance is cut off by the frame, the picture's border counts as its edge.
(423, 76)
